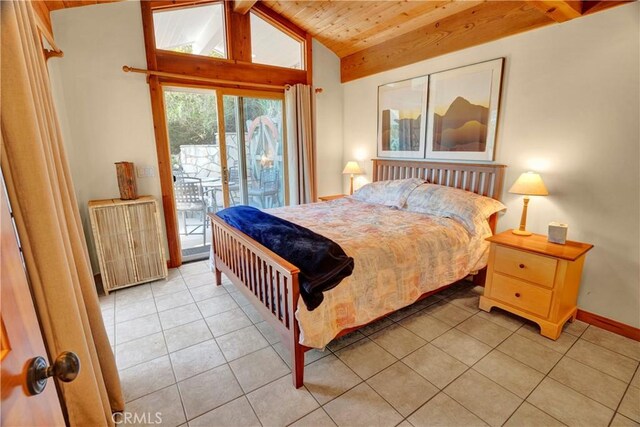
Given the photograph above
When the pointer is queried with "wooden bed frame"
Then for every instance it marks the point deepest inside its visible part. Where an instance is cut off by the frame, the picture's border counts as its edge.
(271, 283)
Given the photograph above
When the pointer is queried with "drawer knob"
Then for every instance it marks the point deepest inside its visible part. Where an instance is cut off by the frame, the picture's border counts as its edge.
(521, 266)
(517, 294)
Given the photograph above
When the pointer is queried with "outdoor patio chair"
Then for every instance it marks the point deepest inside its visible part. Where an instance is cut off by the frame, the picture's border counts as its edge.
(268, 188)
(190, 198)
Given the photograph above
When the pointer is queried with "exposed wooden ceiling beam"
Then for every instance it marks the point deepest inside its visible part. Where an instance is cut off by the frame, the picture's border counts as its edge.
(243, 6)
(62, 4)
(559, 11)
(354, 38)
(480, 24)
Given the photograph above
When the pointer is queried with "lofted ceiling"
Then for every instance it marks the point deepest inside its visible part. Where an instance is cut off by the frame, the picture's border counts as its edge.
(374, 36)
(347, 27)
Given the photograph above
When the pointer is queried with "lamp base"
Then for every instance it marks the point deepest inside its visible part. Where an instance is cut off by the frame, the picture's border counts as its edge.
(521, 232)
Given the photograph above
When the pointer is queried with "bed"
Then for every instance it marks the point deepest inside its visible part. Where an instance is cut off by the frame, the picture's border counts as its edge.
(404, 264)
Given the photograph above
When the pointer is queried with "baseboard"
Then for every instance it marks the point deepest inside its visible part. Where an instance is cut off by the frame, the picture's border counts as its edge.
(609, 325)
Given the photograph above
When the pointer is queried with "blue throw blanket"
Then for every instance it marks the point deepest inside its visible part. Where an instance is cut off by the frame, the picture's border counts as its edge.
(322, 262)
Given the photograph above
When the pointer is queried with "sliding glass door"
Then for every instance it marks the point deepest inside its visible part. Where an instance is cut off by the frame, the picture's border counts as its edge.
(227, 148)
(256, 158)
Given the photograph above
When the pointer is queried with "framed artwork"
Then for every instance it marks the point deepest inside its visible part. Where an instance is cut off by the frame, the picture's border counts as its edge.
(401, 112)
(463, 112)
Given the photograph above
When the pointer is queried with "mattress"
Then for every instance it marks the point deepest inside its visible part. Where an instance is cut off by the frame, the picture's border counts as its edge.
(399, 256)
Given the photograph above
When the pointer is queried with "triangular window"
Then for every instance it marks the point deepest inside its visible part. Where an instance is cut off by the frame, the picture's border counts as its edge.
(271, 45)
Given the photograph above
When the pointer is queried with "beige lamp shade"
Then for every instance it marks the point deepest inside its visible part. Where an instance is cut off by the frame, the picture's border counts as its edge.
(530, 184)
(352, 168)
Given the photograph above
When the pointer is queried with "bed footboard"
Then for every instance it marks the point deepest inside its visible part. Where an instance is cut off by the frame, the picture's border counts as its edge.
(268, 281)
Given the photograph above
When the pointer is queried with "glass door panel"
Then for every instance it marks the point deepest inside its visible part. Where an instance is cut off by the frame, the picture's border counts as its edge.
(192, 125)
(235, 149)
(227, 149)
(264, 151)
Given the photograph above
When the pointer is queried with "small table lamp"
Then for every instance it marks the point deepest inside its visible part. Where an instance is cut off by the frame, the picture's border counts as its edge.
(352, 168)
(529, 184)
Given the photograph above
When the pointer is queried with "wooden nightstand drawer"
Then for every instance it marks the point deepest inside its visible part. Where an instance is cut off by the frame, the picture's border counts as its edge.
(521, 295)
(524, 265)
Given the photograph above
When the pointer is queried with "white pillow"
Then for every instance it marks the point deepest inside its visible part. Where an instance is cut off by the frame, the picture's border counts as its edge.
(389, 193)
(470, 209)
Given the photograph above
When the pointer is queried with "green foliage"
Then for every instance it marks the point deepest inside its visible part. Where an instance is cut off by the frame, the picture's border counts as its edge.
(191, 119)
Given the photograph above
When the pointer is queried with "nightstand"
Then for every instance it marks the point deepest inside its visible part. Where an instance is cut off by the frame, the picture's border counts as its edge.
(329, 198)
(534, 279)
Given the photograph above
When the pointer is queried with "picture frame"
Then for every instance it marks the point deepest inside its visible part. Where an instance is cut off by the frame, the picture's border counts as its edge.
(462, 113)
(401, 112)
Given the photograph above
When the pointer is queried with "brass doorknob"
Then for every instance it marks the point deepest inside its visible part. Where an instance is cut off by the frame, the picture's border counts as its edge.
(65, 368)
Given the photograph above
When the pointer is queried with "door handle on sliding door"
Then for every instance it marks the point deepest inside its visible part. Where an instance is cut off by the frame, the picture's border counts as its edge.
(225, 175)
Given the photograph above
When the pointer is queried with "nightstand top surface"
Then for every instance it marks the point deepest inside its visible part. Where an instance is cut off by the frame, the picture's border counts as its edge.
(332, 197)
(538, 243)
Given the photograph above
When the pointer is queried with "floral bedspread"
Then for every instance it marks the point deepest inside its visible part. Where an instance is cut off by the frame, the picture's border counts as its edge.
(398, 255)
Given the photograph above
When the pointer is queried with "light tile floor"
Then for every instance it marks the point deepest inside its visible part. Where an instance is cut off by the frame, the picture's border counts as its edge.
(200, 354)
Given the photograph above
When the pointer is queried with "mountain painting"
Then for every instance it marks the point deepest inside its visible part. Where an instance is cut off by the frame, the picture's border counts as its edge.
(462, 112)
(462, 128)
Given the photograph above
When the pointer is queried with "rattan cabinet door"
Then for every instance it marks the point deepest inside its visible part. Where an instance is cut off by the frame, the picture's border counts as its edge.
(146, 245)
(111, 233)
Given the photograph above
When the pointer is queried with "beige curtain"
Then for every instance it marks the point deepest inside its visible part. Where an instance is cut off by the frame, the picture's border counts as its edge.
(39, 185)
(301, 151)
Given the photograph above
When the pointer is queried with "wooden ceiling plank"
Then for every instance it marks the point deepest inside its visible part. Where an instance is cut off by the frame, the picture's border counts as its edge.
(311, 12)
(559, 11)
(361, 16)
(243, 6)
(475, 26)
(426, 13)
(350, 14)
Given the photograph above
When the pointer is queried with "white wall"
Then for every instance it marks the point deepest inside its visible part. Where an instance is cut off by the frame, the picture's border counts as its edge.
(105, 114)
(570, 110)
(326, 75)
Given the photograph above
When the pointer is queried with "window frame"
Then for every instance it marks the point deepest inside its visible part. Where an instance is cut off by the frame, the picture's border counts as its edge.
(193, 5)
(237, 67)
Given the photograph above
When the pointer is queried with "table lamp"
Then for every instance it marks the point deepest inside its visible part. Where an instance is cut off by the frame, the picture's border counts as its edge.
(529, 184)
(352, 168)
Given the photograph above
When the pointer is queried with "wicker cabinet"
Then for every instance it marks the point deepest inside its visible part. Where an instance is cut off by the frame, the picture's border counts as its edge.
(128, 241)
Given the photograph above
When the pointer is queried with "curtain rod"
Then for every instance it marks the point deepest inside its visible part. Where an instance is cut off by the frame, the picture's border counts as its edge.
(128, 69)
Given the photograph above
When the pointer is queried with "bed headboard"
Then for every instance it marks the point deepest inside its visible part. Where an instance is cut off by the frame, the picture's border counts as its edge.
(481, 178)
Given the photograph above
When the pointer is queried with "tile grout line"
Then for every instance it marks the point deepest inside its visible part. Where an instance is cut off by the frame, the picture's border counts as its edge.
(478, 361)
(244, 394)
(469, 367)
(543, 378)
(175, 377)
(186, 417)
(611, 350)
(626, 390)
